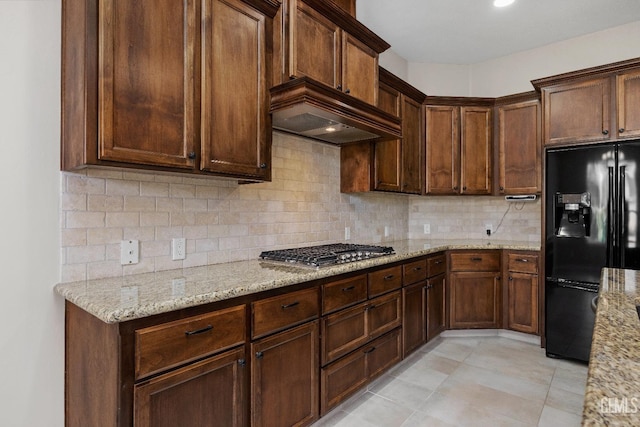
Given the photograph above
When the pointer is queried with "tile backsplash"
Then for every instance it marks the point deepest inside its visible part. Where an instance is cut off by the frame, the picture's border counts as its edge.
(225, 221)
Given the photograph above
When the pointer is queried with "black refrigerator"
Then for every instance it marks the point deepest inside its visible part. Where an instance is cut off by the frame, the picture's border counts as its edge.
(591, 222)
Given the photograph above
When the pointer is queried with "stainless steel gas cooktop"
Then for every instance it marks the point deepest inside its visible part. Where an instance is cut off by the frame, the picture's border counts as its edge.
(327, 255)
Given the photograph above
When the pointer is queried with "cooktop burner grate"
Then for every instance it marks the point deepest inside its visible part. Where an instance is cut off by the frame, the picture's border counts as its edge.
(326, 255)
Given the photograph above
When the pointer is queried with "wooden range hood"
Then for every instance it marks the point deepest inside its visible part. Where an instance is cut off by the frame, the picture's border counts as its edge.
(305, 107)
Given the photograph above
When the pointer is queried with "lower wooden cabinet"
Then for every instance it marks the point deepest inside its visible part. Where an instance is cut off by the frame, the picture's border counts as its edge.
(414, 313)
(341, 379)
(436, 303)
(522, 291)
(284, 378)
(475, 300)
(207, 393)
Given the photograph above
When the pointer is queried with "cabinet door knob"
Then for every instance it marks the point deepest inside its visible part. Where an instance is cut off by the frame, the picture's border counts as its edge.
(263, 165)
(339, 87)
(510, 278)
(455, 188)
(259, 355)
(242, 362)
(191, 155)
(347, 91)
(501, 188)
(621, 130)
(605, 132)
(464, 188)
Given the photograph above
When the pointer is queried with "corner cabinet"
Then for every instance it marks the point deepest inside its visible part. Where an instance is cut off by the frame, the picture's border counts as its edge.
(521, 291)
(519, 144)
(459, 145)
(170, 86)
(592, 105)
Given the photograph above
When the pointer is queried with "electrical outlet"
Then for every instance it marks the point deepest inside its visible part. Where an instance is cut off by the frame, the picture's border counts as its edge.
(347, 233)
(129, 252)
(427, 228)
(178, 248)
(177, 287)
(387, 231)
(488, 228)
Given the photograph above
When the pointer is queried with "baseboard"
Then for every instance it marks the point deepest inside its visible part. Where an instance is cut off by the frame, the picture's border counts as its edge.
(505, 333)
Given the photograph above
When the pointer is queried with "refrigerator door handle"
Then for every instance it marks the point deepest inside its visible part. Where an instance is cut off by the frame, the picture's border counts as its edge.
(611, 223)
(622, 238)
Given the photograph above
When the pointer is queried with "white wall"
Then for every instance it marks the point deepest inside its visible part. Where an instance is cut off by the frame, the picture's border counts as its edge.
(513, 73)
(32, 317)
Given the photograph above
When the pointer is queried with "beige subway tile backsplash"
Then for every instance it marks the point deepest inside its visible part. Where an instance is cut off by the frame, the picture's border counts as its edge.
(225, 221)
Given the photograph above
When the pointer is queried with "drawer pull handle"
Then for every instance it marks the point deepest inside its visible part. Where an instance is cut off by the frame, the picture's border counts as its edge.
(349, 288)
(199, 331)
(369, 350)
(476, 259)
(522, 260)
(417, 268)
(293, 304)
(371, 307)
(438, 262)
(389, 277)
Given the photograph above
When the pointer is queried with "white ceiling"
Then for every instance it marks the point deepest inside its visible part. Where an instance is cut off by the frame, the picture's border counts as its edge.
(471, 31)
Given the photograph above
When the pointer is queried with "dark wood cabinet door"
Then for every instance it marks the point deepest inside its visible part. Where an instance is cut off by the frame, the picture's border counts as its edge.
(207, 393)
(628, 108)
(520, 148)
(146, 82)
(412, 146)
(476, 151)
(413, 317)
(284, 374)
(236, 128)
(388, 165)
(577, 112)
(475, 298)
(359, 69)
(522, 291)
(443, 149)
(436, 314)
(314, 45)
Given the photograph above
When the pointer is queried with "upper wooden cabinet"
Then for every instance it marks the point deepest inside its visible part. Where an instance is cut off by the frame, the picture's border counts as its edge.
(628, 102)
(592, 105)
(519, 145)
(459, 145)
(398, 163)
(177, 86)
(320, 40)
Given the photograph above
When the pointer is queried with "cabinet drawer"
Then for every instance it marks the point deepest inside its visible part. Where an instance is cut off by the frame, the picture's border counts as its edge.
(414, 272)
(341, 379)
(344, 293)
(171, 344)
(343, 332)
(273, 314)
(523, 263)
(436, 265)
(475, 261)
(383, 353)
(385, 280)
(384, 314)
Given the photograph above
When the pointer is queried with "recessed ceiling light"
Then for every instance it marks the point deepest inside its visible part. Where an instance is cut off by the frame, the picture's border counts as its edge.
(502, 3)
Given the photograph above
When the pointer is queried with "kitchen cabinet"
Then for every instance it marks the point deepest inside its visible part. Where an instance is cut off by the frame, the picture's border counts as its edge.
(628, 104)
(592, 105)
(521, 310)
(284, 378)
(459, 145)
(169, 86)
(322, 41)
(520, 144)
(436, 303)
(398, 163)
(474, 289)
(184, 397)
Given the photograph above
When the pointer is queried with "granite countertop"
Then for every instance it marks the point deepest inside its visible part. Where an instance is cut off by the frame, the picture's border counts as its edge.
(612, 395)
(119, 299)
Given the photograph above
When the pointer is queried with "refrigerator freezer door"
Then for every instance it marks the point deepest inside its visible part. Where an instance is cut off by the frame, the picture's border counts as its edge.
(628, 185)
(577, 171)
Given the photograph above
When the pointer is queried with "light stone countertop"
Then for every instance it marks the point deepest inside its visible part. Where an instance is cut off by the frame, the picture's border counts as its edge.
(612, 395)
(123, 298)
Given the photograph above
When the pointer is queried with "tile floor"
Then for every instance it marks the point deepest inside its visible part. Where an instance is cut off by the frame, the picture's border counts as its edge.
(470, 381)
